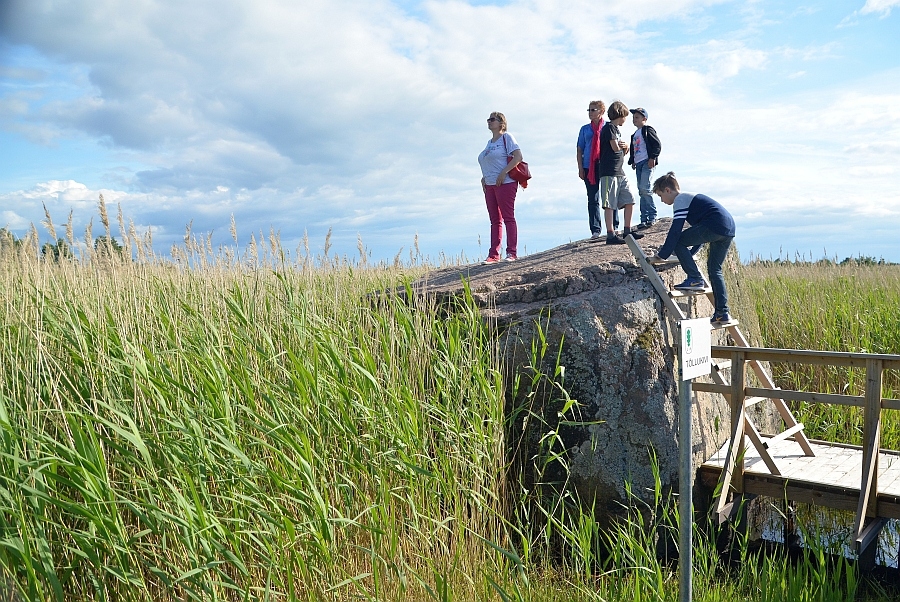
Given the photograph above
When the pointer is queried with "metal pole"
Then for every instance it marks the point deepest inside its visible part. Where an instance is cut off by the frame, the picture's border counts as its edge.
(685, 490)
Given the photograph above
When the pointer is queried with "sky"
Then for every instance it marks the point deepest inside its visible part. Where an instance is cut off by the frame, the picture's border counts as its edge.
(365, 119)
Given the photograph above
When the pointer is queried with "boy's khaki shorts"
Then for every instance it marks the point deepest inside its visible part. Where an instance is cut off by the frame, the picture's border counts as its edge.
(614, 192)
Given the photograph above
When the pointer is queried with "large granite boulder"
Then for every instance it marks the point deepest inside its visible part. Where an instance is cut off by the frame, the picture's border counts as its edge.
(604, 323)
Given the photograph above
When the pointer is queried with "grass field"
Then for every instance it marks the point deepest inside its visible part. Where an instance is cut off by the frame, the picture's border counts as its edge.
(228, 427)
(831, 307)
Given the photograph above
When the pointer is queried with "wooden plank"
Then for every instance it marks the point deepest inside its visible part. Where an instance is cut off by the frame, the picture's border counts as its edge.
(729, 324)
(850, 478)
(832, 469)
(869, 534)
(807, 356)
(828, 468)
(892, 452)
(784, 434)
(723, 365)
(791, 460)
(840, 498)
(773, 394)
(675, 294)
(721, 389)
(654, 278)
(755, 437)
(845, 400)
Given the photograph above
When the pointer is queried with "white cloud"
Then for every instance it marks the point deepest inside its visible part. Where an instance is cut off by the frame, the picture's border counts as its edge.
(883, 7)
(366, 118)
(13, 221)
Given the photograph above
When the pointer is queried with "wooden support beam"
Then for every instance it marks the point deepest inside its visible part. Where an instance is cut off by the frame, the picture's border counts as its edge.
(867, 544)
(730, 509)
(741, 341)
(869, 534)
(760, 445)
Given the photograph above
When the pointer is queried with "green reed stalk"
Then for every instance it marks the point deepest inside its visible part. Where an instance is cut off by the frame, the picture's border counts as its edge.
(236, 427)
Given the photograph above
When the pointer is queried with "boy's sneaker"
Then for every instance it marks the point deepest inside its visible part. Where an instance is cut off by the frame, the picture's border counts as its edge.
(633, 234)
(596, 235)
(510, 258)
(719, 319)
(647, 224)
(490, 260)
(692, 284)
(612, 239)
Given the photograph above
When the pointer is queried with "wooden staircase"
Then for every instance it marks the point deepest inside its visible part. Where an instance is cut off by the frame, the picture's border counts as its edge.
(742, 427)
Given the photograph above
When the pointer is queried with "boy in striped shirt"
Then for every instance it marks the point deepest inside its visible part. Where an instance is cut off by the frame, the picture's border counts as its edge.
(709, 223)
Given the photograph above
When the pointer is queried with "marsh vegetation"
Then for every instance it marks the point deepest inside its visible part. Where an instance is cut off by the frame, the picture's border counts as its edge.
(246, 426)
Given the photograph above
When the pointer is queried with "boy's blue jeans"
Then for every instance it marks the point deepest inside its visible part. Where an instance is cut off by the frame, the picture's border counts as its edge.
(648, 207)
(715, 257)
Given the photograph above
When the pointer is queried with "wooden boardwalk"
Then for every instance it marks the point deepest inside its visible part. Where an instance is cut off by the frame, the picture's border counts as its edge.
(831, 478)
(788, 465)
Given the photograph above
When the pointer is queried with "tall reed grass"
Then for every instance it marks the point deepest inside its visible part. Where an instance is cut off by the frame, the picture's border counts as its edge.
(224, 426)
(831, 307)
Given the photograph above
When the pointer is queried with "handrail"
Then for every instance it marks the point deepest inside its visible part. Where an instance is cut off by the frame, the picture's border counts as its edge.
(871, 401)
(807, 356)
(887, 403)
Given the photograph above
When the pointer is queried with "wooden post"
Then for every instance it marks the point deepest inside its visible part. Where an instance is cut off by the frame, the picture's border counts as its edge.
(732, 476)
(871, 445)
(737, 417)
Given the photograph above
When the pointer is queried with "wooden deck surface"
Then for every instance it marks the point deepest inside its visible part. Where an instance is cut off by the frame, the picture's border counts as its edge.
(830, 478)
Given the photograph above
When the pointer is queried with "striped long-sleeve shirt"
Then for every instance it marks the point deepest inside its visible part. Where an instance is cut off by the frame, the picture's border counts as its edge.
(696, 209)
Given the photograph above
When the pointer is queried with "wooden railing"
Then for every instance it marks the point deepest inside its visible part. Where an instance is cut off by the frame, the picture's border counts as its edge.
(732, 477)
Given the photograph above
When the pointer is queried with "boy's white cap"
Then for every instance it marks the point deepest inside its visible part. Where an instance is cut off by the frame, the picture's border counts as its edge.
(641, 111)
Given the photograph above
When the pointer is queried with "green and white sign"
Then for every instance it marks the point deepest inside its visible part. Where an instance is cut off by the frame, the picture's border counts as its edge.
(695, 348)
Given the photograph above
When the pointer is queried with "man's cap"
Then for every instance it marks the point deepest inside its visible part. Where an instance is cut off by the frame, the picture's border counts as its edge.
(641, 111)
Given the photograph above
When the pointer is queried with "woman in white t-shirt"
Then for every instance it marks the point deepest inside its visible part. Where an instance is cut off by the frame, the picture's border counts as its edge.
(499, 188)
